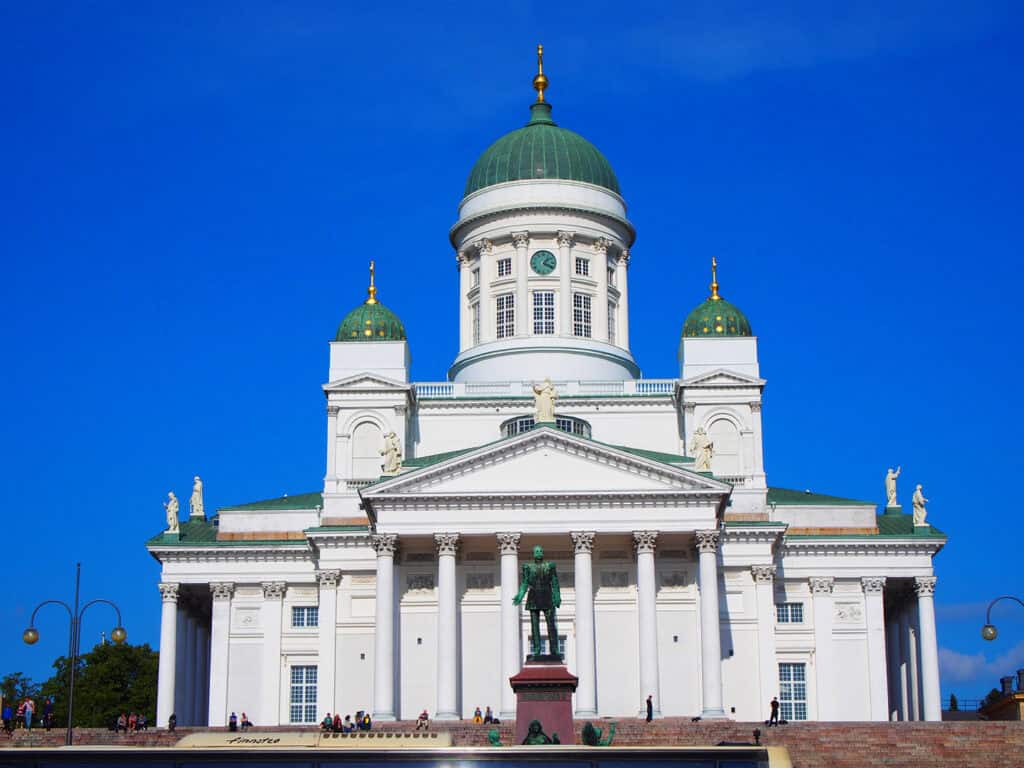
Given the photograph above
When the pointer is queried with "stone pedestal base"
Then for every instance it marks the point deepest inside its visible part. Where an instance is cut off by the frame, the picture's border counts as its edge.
(922, 530)
(544, 692)
(897, 510)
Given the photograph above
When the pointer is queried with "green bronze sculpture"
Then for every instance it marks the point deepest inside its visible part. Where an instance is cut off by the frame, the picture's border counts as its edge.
(535, 733)
(591, 736)
(494, 738)
(541, 579)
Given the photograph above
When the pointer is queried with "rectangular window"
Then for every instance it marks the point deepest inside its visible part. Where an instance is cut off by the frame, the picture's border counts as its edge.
(581, 315)
(506, 315)
(475, 310)
(583, 267)
(543, 313)
(302, 700)
(611, 322)
(789, 613)
(611, 276)
(504, 267)
(544, 644)
(475, 279)
(793, 691)
(305, 616)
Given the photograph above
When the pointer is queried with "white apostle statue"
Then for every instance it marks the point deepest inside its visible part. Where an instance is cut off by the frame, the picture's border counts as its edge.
(919, 509)
(171, 505)
(392, 453)
(195, 503)
(890, 486)
(544, 397)
(702, 449)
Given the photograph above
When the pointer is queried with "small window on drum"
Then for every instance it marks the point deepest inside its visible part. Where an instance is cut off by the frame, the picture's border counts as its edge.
(569, 424)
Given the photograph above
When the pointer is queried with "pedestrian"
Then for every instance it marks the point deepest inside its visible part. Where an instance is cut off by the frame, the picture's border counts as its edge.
(650, 707)
(233, 722)
(347, 726)
(48, 712)
(488, 715)
(122, 723)
(8, 717)
(423, 721)
(133, 721)
(336, 726)
(172, 722)
(30, 708)
(478, 716)
(246, 723)
(774, 719)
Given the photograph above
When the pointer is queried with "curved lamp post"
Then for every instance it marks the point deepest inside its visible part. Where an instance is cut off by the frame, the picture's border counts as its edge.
(989, 631)
(31, 636)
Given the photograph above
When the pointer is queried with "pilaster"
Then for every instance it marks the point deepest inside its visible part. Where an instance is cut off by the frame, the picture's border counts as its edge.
(586, 642)
(385, 545)
(645, 543)
(566, 267)
(764, 587)
(447, 639)
(710, 626)
(521, 241)
(924, 586)
(327, 640)
(168, 652)
(220, 628)
(878, 676)
(273, 596)
(621, 273)
(822, 603)
(508, 544)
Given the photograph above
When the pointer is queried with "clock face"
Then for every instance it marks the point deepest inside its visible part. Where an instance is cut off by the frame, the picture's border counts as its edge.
(543, 262)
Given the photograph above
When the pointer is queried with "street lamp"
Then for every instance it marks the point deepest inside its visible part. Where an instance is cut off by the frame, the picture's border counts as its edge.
(31, 636)
(989, 631)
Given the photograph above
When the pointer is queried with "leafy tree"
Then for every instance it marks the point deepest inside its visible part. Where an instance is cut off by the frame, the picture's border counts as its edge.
(109, 679)
(954, 705)
(994, 695)
(16, 686)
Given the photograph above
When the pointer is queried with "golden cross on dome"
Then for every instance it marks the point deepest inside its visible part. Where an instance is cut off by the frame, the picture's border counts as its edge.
(714, 279)
(540, 82)
(372, 298)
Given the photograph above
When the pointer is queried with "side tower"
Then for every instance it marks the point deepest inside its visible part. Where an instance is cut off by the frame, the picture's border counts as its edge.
(368, 396)
(720, 391)
(542, 244)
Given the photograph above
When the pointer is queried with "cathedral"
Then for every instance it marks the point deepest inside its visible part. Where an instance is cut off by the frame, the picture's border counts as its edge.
(684, 575)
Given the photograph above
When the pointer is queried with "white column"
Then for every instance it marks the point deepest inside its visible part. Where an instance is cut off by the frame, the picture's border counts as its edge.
(906, 698)
(710, 630)
(647, 612)
(511, 661)
(914, 661)
(878, 676)
(764, 587)
(586, 644)
(327, 645)
(521, 240)
(892, 647)
(181, 665)
(447, 669)
(822, 607)
(270, 710)
(168, 652)
(566, 267)
(599, 271)
(486, 262)
(331, 479)
(621, 269)
(385, 545)
(220, 628)
(201, 689)
(932, 705)
(465, 319)
(187, 671)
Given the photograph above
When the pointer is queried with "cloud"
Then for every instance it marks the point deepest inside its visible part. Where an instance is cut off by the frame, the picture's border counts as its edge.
(958, 667)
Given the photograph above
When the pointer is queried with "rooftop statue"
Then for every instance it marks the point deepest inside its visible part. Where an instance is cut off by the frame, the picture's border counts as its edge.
(541, 579)
(544, 397)
(702, 449)
(392, 453)
(890, 487)
(171, 505)
(919, 509)
(195, 503)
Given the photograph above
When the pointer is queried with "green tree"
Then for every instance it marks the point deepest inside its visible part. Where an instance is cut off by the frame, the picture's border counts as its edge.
(109, 679)
(16, 686)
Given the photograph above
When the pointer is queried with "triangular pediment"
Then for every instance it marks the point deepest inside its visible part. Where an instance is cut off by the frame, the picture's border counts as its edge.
(368, 382)
(722, 378)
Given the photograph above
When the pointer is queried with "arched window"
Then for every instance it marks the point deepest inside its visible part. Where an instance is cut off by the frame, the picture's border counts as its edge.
(522, 424)
(726, 458)
(367, 440)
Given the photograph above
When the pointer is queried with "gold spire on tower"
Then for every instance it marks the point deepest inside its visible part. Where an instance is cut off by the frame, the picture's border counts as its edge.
(540, 82)
(372, 291)
(714, 279)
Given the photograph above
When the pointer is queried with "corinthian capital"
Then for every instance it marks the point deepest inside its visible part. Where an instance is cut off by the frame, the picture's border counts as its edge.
(582, 542)
(624, 257)
(447, 543)
(707, 541)
(168, 592)
(601, 246)
(521, 239)
(763, 574)
(328, 579)
(484, 245)
(821, 585)
(873, 584)
(645, 541)
(925, 585)
(509, 543)
(274, 590)
(384, 544)
(566, 239)
(222, 590)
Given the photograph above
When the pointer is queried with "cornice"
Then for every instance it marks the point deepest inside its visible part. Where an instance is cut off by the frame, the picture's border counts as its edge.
(881, 545)
(512, 211)
(271, 554)
(565, 402)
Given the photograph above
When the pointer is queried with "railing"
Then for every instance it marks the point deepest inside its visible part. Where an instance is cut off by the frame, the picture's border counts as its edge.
(434, 390)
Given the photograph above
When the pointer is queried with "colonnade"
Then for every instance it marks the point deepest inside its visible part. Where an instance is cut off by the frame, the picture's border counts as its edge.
(911, 649)
(184, 667)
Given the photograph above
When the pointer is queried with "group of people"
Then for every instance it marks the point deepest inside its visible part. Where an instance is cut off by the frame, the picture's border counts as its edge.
(337, 724)
(130, 723)
(23, 715)
(234, 722)
(484, 717)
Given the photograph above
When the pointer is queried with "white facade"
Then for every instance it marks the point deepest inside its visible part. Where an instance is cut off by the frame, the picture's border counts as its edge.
(709, 591)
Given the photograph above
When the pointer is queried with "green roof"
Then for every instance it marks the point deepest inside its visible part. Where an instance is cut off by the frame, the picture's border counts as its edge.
(298, 501)
(665, 458)
(371, 321)
(716, 317)
(903, 525)
(788, 496)
(541, 150)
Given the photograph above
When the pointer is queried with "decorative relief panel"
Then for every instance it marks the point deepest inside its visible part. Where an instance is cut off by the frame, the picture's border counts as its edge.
(479, 581)
(363, 579)
(247, 618)
(615, 579)
(419, 582)
(848, 613)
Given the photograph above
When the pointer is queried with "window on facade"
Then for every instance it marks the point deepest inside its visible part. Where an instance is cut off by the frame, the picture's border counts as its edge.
(302, 701)
(611, 276)
(305, 616)
(581, 315)
(611, 322)
(505, 325)
(583, 267)
(475, 278)
(522, 424)
(367, 440)
(789, 613)
(475, 311)
(504, 267)
(726, 437)
(544, 644)
(543, 313)
(793, 691)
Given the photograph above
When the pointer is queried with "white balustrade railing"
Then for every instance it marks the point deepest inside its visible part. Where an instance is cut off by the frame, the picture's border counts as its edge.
(433, 390)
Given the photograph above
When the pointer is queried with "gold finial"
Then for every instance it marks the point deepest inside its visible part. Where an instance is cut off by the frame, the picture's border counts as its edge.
(540, 82)
(372, 298)
(714, 279)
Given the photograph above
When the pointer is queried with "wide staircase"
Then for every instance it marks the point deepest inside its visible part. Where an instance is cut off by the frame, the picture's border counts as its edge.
(810, 745)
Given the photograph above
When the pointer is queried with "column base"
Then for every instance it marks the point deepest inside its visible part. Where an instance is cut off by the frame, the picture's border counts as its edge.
(714, 714)
(384, 717)
(446, 716)
(894, 510)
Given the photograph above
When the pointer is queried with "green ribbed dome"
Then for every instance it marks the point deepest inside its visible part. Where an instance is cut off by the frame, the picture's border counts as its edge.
(716, 317)
(541, 150)
(371, 322)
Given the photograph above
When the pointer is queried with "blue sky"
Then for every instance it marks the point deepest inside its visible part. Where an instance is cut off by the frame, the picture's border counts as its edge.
(193, 192)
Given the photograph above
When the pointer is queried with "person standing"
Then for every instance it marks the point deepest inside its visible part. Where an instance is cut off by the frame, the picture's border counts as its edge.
(30, 708)
(650, 707)
(774, 719)
(48, 712)
(8, 717)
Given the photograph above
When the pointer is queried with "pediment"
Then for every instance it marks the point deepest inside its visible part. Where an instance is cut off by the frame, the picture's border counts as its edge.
(722, 378)
(368, 382)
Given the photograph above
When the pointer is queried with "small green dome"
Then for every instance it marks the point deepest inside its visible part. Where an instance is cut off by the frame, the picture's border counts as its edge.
(541, 150)
(716, 317)
(371, 322)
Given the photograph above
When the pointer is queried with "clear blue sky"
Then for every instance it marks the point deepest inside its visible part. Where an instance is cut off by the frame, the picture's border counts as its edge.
(193, 191)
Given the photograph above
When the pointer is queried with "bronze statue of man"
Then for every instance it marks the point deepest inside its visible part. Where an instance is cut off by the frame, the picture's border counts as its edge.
(541, 578)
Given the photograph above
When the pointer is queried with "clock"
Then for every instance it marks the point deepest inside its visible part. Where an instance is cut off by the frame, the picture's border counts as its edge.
(543, 262)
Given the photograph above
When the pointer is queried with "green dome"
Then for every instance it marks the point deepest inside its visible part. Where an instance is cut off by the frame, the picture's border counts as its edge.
(716, 317)
(371, 322)
(541, 150)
